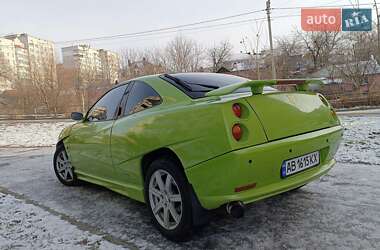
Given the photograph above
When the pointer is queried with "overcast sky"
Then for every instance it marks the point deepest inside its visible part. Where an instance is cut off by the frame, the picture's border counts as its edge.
(78, 19)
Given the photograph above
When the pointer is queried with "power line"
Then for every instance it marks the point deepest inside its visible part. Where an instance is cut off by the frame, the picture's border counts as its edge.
(321, 6)
(206, 27)
(178, 28)
(201, 27)
(162, 29)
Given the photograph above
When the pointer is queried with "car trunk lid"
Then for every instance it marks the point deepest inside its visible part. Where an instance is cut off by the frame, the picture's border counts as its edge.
(285, 114)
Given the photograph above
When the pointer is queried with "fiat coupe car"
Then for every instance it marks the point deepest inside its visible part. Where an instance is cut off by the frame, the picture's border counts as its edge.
(188, 143)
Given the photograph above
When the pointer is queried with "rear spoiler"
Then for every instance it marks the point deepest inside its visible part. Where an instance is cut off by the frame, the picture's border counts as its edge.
(257, 86)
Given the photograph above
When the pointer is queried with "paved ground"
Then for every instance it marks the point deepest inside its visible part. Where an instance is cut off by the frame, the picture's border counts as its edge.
(339, 211)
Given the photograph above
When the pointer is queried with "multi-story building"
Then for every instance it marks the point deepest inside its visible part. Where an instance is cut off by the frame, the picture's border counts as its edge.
(8, 69)
(22, 60)
(35, 57)
(26, 58)
(91, 65)
(84, 60)
(110, 65)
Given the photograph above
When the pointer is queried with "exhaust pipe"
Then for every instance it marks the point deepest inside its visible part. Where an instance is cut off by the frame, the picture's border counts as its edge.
(235, 209)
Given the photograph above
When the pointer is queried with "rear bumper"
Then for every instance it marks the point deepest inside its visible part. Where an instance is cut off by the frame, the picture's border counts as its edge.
(215, 180)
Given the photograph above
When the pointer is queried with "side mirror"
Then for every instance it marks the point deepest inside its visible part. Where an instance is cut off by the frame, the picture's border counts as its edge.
(76, 116)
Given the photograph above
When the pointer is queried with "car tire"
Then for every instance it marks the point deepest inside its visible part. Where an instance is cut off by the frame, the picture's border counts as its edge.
(63, 168)
(169, 201)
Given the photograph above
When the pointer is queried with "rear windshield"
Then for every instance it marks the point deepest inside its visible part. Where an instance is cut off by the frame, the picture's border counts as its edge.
(196, 85)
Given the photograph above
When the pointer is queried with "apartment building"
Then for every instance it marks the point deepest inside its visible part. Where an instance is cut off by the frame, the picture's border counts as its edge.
(22, 60)
(110, 65)
(26, 59)
(35, 57)
(90, 64)
(8, 69)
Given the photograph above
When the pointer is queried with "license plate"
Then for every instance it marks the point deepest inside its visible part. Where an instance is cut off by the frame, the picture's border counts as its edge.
(298, 164)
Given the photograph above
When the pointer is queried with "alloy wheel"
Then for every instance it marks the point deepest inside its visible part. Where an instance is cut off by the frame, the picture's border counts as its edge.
(165, 199)
(64, 168)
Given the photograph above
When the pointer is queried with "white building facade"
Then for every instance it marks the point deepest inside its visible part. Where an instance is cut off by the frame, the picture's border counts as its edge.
(38, 53)
(110, 65)
(90, 64)
(29, 58)
(8, 66)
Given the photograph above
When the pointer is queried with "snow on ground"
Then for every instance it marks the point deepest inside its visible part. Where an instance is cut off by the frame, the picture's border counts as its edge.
(44, 133)
(361, 141)
(338, 211)
(30, 133)
(26, 226)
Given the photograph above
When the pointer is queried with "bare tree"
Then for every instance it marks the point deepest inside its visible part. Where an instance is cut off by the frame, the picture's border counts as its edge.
(85, 77)
(44, 80)
(7, 75)
(288, 49)
(358, 57)
(27, 98)
(137, 62)
(320, 46)
(289, 45)
(251, 46)
(158, 59)
(128, 56)
(219, 54)
(183, 55)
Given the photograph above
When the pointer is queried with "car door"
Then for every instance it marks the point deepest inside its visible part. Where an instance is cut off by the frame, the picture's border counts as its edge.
(90, 139)
(127, 134)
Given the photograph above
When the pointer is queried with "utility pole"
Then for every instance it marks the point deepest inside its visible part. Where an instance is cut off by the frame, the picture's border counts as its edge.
(378, 29)
(270, 40)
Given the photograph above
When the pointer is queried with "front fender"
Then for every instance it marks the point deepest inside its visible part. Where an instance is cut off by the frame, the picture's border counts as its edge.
(65, 133)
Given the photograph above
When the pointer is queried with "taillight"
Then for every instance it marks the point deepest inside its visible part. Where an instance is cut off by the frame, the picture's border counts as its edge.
(237, 131)
(236, 109)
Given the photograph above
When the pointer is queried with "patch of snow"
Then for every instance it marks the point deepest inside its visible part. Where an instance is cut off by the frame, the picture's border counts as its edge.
(338, 211)
(361, 140)
(26, 226)
(359, 111)
(30, 133)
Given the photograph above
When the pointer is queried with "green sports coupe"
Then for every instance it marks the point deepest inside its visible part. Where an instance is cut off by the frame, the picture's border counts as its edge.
(188, 143)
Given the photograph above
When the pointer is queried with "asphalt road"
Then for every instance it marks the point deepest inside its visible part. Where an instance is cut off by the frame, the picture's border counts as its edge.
(339, 211)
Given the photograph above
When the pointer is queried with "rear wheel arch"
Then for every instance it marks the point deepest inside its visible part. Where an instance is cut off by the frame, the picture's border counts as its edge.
(156, 154)
(200, 216)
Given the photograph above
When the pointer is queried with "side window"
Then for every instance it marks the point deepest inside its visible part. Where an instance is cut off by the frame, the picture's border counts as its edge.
(106, 107)
(141, 97)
